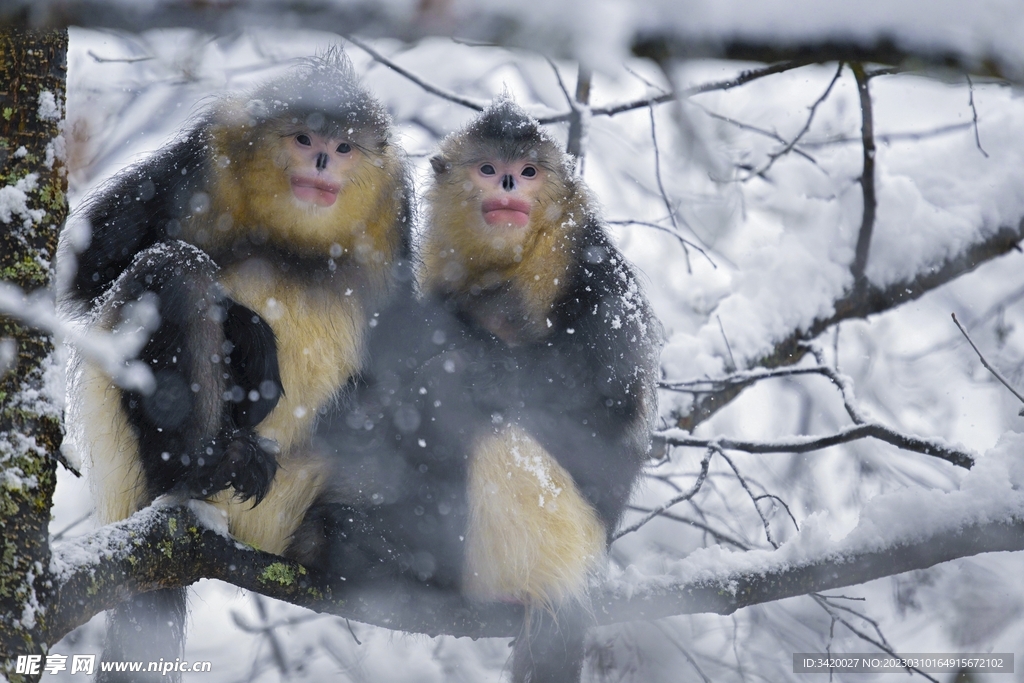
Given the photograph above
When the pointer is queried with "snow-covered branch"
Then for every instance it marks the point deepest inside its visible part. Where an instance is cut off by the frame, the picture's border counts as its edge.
(861, 302)
(807, 444)
(897, 532)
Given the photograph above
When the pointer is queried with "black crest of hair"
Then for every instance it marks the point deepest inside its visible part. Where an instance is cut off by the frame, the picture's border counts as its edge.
(505, 123)
(324, 93)
(504, 129)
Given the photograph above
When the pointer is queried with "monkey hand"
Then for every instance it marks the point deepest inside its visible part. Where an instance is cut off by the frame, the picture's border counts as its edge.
(247, 464)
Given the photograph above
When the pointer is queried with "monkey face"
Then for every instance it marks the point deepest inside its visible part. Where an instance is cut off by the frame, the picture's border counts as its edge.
(508, 191)
(318, 167)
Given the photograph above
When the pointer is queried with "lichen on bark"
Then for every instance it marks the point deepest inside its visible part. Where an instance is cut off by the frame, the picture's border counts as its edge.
(33, 66)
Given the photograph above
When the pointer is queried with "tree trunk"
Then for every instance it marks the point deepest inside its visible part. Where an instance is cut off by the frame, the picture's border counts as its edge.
(33, 67)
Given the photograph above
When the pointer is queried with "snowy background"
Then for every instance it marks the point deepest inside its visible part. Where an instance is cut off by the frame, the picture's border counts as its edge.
(778, 238)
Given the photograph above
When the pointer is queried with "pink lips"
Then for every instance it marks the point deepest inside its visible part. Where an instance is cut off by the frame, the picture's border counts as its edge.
(506, 210)
(315, 190)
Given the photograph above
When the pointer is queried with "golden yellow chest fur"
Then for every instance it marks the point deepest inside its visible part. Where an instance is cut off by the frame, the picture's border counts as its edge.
(319, 336)
(532, 537)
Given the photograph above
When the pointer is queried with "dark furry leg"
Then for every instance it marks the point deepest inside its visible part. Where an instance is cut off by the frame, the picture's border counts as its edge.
(344, 542)
(215, 372)
(550, 649)
(145, 629)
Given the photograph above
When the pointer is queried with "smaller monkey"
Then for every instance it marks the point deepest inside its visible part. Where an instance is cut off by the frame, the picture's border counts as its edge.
(495, 448)
(267, 237)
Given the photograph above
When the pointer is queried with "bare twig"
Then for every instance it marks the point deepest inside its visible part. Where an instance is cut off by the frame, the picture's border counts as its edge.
(753, 499)
(807, 444)
(760, 131)
(881, 643)
(885, 71)
(867, 178)
(747, 377)
(974, 115)
(432, 89)
(694, 523)
(352, 631)
(841, 382)
(841, 597)
(785, 506)
(685, 242)
(788, 147)
(276, 649)
(721, 328)
(63, 532)
(661, 187)
(984, 362)
(687, 495)
(682, 649)
(646, 102)
(741, 378)
(911, 136)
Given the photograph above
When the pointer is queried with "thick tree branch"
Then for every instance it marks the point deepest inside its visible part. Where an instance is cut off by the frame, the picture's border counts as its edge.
(729, 590)
(167, 546)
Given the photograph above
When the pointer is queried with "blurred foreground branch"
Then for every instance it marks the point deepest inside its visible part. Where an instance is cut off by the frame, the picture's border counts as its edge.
(518, 26)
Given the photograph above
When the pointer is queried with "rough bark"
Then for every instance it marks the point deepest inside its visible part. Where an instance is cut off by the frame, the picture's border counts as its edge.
(32, 64)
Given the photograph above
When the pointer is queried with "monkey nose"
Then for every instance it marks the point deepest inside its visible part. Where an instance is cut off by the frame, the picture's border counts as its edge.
(508, 182)
(321, 161)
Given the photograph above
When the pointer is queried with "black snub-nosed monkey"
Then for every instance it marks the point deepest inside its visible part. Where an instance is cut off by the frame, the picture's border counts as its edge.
(497, 442)
(267, 237)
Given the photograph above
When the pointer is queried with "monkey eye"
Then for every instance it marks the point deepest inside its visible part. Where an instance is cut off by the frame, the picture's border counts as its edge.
(303, 140)
(344, 148)
(487, 169)
(529, 172)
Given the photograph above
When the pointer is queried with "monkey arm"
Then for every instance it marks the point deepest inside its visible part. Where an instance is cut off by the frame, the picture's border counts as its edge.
(587, 390)
(191, 438)
(596, 433)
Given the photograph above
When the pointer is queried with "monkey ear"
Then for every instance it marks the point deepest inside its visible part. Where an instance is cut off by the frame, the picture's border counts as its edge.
(439, 164)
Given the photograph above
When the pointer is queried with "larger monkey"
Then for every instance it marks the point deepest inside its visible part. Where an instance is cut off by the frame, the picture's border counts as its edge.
(501, 465)
(267, 237)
